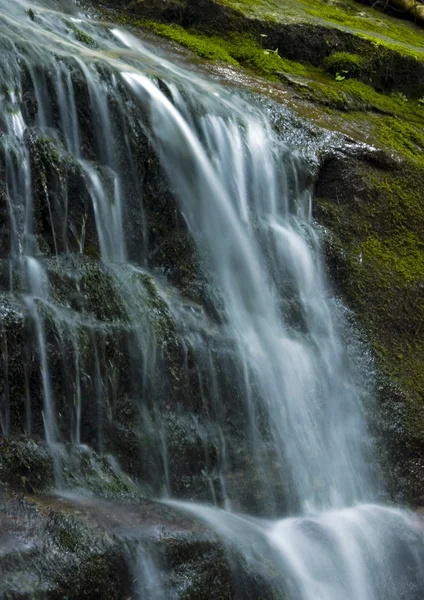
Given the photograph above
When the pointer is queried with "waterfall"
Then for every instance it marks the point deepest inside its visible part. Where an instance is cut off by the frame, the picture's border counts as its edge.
(236, 396)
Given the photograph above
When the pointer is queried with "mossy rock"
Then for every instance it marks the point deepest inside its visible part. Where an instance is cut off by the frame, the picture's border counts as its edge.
(80, 35)
(375, 251)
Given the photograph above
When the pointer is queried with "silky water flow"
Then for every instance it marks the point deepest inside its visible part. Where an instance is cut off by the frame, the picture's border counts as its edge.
(253, 367)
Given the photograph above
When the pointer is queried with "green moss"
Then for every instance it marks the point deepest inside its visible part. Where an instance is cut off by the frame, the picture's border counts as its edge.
(80, 35)
(31, 14)
(391, 122)
(405, 137)
(392, 45)
(344, 62)
(67, 538)
(235, 49)
(101, 295)
(345, 13)
(47, 156)
(366, 19)
(25, 464)
(158, 311)
(401, 132)
(266, 61)
(399, 260)
(353, 95)
(211, 48)
(267, 10)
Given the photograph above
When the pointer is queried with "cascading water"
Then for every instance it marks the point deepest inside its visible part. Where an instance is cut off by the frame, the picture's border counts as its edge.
(248, 370)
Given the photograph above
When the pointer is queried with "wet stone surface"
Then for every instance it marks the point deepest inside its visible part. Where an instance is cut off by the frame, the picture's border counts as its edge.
(83, 548)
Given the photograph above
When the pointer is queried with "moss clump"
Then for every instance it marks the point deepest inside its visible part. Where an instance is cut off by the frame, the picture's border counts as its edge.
(360, 95)
(405, 137)
(344, 62)
(80, 35)
(47, 158)
(85, 469)
(31, 14)
(248, 52)
(352, 95)
(390, 122)
(158, 311)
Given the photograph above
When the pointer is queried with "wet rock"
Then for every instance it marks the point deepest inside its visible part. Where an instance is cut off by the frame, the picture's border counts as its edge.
(25, 464)
(63, 210)
(83, 548)
(51, 553)
(4, 222)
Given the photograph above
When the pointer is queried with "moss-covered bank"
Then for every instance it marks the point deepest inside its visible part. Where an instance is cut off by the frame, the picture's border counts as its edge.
(307, 33)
